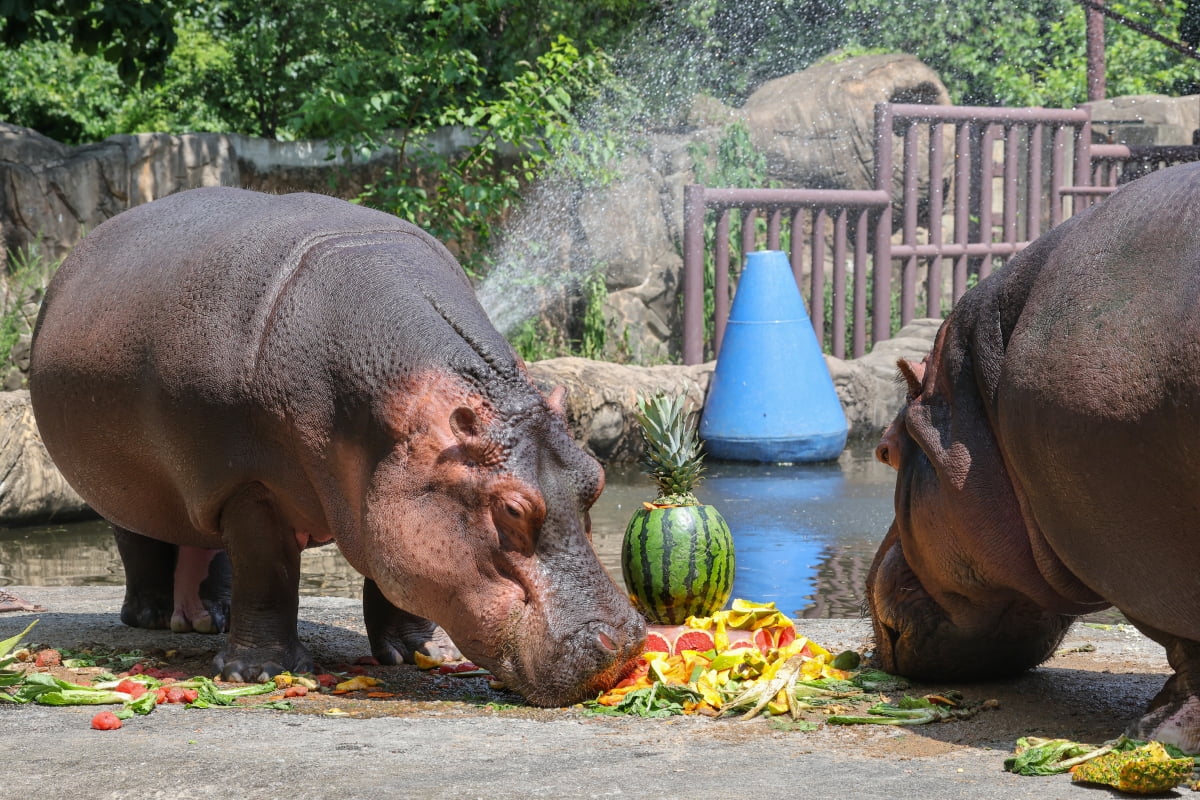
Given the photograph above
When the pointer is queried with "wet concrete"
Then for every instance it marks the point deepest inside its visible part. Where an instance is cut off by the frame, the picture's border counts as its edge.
(456, 738)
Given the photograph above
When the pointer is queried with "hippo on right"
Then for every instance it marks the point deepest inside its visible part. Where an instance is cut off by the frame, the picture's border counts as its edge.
(1048, 457)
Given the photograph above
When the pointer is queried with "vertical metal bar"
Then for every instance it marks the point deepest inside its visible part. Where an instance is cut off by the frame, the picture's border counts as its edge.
(962, 206)
(839, 284)
(1083, 164)
(1011, 155)
(798, 245)
(1058, 173)
(987, 174)
(881, 289)
(933, 289)
(818, 263)
(1033, 193)
(816, 309)
(773, 229)
(908, 279)
(860, 284)
(693, 274)
(721, 279)
(749, 216)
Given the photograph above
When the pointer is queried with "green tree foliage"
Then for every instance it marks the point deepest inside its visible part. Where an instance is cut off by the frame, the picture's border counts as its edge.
(135, 35)
(1020, 52)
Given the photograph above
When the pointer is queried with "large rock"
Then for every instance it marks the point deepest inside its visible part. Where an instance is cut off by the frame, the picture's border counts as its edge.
(51, 194)
(624, 228)
(817, 127)
(31, 487)
(1146, 119)
(602, 398)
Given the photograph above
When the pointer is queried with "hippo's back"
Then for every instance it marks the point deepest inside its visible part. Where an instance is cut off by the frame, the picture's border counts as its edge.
(185, 285)
(145, 373)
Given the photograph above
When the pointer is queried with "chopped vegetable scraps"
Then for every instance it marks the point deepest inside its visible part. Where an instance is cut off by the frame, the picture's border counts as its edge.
(731, 676)
(1127, 765)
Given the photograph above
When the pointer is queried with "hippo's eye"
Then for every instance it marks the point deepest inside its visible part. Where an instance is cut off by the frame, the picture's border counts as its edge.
(518, 517)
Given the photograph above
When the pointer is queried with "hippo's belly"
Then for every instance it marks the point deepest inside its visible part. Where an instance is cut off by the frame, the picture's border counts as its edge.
(1098, 416)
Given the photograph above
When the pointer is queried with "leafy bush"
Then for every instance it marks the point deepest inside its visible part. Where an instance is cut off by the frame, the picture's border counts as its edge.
(21, 292)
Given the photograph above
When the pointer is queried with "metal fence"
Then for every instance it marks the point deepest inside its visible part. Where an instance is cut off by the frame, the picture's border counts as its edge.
(958, 191)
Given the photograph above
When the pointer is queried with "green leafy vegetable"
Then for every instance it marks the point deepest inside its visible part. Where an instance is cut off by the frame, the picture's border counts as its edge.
(212, 695)
(656, 700)
(8, 645)
(908, 711)
(1037, 756)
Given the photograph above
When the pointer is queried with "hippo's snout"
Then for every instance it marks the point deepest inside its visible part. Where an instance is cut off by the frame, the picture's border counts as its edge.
(580, 665)
(623, 641)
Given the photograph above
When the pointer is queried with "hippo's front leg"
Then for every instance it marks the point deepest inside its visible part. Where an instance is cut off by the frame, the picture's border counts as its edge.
(395, 634)
(1174, 714)
(265, 555)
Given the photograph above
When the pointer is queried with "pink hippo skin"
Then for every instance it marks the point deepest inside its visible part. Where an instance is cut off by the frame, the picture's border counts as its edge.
(1048, 460)
(231, 377)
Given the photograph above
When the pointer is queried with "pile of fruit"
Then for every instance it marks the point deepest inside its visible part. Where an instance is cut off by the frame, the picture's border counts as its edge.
(746, 657)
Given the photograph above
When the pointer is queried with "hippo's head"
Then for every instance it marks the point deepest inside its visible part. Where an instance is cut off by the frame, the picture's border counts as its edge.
(956, 590)
(476, 518)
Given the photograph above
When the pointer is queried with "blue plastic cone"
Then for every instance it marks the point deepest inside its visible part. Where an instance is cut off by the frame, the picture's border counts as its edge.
(771, 397)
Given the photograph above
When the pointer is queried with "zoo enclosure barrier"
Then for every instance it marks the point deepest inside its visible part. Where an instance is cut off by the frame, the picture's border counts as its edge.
(971, 188)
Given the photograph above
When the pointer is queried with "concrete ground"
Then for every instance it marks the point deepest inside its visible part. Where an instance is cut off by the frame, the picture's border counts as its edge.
(443, 737)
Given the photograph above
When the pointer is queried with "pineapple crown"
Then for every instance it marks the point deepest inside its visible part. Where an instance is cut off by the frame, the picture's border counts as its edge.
(671, 452)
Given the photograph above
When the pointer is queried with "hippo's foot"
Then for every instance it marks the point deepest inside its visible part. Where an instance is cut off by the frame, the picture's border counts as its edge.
(396, 635)
(1174, 714)
(201, 591)
(159, 611)
(252, 664)
(12, 602)
(1177, 723)
(181, 588)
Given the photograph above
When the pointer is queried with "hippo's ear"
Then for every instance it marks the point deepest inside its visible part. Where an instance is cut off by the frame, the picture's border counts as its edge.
(557, 400)
(475, 446)
(913, 375)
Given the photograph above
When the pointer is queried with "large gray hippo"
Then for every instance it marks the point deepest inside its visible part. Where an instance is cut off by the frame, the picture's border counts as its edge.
(1048, 456)
(223, 370)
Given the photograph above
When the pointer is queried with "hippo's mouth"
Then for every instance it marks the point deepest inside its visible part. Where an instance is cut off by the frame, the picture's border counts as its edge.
(572, 668)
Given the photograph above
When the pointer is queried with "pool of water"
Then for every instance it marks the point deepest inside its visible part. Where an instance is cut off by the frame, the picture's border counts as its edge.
(804, 535)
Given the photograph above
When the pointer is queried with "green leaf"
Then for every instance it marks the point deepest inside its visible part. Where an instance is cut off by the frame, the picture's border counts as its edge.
(9, 644)
(81, 697)
(1038, 756)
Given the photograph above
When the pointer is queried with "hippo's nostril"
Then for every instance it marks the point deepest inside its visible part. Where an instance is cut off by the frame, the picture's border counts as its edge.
(606, 641)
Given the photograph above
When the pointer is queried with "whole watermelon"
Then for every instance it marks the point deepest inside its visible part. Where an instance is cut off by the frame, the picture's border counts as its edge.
(678, 562)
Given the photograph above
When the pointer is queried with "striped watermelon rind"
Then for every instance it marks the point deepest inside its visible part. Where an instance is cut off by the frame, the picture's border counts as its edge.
(678, 562)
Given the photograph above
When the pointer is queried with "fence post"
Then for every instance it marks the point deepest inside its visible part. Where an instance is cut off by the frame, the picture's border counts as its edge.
(693, 274)
(881, 290)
